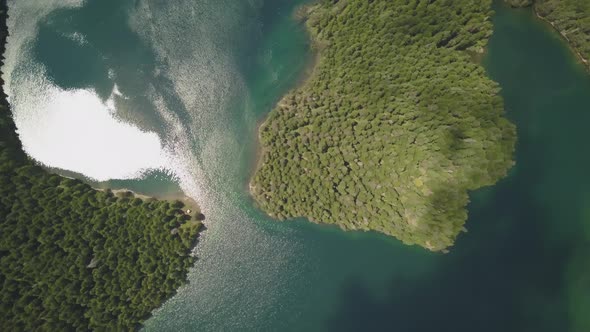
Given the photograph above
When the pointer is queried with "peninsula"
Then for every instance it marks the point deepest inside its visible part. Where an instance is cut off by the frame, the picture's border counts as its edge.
(395, 126)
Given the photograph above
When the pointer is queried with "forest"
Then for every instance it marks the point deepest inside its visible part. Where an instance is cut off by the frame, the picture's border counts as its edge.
(75, 258)
(570, 17)
(396, 124)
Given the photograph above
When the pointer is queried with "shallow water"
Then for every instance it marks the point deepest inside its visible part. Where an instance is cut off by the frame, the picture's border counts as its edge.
(191, 80)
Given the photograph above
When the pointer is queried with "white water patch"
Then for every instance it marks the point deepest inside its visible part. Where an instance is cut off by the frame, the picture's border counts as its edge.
(75, 130)
(77, 37)
(117, 92)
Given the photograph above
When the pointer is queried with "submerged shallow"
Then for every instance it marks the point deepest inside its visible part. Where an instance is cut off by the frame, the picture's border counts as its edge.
(520, 267)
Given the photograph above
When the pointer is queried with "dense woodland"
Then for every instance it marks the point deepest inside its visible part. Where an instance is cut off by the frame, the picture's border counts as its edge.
(570, 17)
(74, 258)
(396, 124)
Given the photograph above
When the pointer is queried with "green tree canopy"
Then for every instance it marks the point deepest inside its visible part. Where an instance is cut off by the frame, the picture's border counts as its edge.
(395, 125)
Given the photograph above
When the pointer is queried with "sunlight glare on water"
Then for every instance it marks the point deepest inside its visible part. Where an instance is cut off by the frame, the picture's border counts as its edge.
(76, 131)
(71, 129)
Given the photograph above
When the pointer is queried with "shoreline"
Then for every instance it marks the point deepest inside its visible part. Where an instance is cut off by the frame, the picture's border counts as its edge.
(573, 48)
(300, 14)
(345, 206)
(189, 203)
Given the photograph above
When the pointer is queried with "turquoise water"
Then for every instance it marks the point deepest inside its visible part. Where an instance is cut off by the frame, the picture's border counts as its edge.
(202, 75)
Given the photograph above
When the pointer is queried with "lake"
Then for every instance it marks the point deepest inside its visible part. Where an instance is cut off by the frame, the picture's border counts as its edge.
(160, 97)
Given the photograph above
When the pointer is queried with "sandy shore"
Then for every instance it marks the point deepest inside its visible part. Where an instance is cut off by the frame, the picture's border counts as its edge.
(189, 203)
